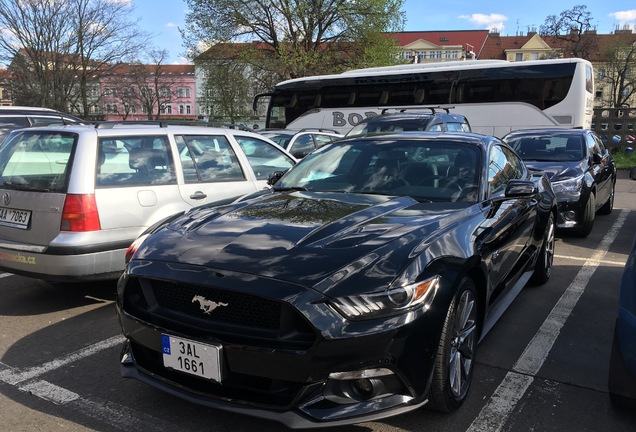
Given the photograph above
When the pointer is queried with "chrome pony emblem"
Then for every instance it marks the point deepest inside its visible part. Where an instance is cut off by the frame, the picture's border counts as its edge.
(206, 305)
(6, 198)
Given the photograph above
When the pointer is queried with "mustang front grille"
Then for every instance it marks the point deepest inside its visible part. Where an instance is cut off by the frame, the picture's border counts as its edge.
(228, 316)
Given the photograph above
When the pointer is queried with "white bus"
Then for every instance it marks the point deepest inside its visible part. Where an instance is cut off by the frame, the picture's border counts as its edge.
(496, 96)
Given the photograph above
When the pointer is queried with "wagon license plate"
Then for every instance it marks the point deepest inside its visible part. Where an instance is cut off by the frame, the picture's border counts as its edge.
(194, 358)
(15, 218)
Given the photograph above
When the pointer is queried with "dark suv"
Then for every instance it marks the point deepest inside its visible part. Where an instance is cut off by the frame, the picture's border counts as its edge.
(17, 117)
(580, 168)
(436, 119)
(301, 142)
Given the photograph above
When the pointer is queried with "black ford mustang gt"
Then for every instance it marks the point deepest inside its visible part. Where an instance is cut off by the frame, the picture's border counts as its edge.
(356, 288)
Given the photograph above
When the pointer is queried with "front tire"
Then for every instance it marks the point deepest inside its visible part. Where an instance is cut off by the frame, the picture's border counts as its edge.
(543, 267)
(587, 223)
(455, 359)
(609, 205)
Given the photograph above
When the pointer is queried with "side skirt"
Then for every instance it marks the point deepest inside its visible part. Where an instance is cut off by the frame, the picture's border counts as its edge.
(505, 301)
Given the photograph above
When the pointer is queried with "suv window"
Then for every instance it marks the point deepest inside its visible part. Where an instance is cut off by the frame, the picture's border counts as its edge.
(303, 145)
(7, 124)
(263, 157)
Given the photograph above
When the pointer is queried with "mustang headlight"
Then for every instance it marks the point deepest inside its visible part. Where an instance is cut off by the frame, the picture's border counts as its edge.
(389, 302)
(568, 190)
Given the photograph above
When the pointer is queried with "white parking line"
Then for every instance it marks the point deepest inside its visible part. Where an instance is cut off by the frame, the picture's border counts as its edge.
(601, 262)
(115, 415)
(4, 275)
(516, 382)
(12, 376)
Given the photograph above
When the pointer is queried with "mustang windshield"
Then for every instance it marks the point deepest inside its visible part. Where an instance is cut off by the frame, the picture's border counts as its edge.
(424, 170)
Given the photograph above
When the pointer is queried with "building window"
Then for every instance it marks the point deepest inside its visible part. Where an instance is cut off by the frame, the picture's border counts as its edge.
(438, 54)
(535, 56)
(599, 93)
(519, 57)
(183, 92)
(601, 73)
(181, 109)
(188, 109)
(164, 91)
(447, 54)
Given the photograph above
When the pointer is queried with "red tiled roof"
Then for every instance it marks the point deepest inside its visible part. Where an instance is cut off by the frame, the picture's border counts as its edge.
(475, 38)
(164, 69)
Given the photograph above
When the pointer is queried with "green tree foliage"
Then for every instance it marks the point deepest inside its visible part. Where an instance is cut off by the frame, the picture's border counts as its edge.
(570, 30)
(299, 37)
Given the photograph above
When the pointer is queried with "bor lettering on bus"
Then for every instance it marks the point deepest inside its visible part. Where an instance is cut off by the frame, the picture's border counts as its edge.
(341, 119)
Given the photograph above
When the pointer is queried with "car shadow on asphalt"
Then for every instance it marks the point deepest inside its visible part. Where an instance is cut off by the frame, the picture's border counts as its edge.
(23, 296)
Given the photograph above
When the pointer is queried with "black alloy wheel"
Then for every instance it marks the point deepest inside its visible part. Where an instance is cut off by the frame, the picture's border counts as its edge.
(587, 222)
(543, 267)
(455, 359)
(609, 205)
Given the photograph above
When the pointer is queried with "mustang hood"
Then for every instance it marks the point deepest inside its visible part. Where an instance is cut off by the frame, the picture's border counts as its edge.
(302, 237)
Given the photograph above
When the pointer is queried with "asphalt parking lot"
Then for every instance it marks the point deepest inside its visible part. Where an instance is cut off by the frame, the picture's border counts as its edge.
(543, 367)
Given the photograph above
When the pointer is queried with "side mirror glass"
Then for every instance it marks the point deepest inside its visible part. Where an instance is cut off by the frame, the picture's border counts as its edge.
(274, 177)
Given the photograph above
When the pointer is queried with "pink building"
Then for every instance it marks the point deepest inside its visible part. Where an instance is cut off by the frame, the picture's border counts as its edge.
(148, 92)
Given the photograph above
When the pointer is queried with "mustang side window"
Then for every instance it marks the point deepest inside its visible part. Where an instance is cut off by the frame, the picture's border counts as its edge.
(497, 177)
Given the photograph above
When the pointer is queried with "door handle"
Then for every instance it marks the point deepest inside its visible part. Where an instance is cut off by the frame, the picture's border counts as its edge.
(198, 195)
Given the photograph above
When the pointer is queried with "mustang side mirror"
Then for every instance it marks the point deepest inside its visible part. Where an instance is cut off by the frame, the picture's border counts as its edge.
(274, 177)
(520, 188)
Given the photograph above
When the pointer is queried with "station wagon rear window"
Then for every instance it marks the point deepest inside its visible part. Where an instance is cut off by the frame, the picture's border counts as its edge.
(37, 161)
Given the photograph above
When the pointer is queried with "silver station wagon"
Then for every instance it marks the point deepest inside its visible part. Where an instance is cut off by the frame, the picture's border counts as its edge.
(75, 197)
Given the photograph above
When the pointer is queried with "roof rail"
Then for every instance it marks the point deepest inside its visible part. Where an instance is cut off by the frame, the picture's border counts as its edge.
(165, 123)
(419, 107)
(110, 124)
(318, 130)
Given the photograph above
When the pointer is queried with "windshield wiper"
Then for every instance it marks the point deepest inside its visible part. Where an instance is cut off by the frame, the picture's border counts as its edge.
(23, 187)
(290, 188)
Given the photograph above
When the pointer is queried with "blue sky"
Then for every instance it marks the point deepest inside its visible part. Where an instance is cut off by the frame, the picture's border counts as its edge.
(163, 18)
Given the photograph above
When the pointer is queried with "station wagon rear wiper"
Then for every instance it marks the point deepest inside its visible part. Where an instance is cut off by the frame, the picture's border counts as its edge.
(23, 187)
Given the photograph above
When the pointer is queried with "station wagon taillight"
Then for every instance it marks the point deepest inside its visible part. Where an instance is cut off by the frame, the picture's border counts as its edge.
(80, 214)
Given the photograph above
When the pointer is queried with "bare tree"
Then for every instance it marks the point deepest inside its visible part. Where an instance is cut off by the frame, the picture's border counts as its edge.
(147, 84)
(301, 37)
(571, 31)
(35, 41)
(617, 62)
(55, 47)
(105, 35)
